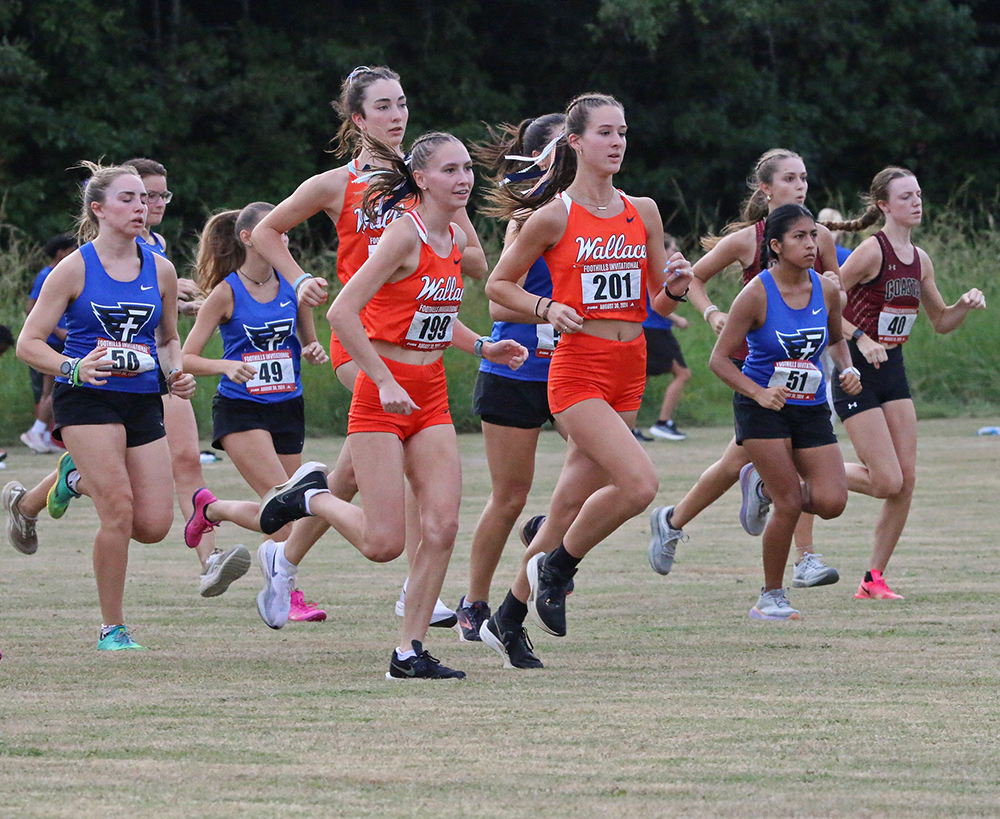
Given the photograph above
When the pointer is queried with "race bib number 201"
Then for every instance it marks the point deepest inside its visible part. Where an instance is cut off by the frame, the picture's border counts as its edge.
(611, 287)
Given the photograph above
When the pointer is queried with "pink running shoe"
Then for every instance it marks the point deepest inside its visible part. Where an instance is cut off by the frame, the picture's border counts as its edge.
(876, 589)
(198, 524)
(304, 612)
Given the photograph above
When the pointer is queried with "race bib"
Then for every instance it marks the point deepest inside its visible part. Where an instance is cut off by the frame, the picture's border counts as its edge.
(124, 360)
(547, 339)
(802, 378)
(275, 372)
(431, 327)
(610, 287)
(895, 323)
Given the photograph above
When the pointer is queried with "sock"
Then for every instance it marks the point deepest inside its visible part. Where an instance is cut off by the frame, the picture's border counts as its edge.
(106, 630)
(39, 426)
(409, 654)
(512, 610)
(868, 577)
(282, 561)
(309, 496)
(562, 560)
(72, 479)
(670, 517)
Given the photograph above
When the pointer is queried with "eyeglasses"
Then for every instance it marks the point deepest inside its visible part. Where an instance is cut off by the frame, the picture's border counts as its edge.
(156, 196)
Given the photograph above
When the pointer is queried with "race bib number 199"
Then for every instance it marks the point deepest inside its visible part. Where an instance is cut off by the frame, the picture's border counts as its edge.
(275, 372)
(802, 378)
(431, 329)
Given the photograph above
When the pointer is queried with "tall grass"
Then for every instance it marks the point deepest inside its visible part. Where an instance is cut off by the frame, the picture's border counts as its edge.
(948, 374)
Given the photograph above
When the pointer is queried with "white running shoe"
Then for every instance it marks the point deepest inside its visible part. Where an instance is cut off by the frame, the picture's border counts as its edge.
(666, 430)
(442, 617)
(811, 571)
(275, 600)
(222, 569)
(773, 605)
(755, 508)
(664, 540)
(40, 442)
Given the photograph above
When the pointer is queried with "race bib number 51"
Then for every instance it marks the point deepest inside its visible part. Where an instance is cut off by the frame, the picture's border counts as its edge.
(275, 372)
(802, 378)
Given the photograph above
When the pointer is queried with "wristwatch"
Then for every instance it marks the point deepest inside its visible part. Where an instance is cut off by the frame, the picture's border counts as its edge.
(477, 348)
(858, 332)
(66, 368)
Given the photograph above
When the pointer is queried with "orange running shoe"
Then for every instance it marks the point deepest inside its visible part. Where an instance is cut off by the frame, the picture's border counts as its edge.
(876, 589)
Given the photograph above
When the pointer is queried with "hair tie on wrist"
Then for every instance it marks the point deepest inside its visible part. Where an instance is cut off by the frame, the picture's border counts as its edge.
(709, 310)
(535, 311)
(545, 312)
(299, 281)
(676, 298)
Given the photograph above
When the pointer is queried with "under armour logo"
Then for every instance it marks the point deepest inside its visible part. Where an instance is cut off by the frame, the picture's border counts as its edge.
(124, 320)
(853, 405)
(803, 344)
(272, 335)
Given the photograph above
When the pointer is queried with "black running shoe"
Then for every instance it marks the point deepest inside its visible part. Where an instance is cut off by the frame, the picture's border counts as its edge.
(530, 528)
(547, 598)
(423, 666)
(471, 617)
(287, 502)
(510, 642)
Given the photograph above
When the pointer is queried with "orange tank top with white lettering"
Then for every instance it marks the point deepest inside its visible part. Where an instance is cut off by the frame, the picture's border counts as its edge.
(357, 235)
(420, 311)
(598, 267)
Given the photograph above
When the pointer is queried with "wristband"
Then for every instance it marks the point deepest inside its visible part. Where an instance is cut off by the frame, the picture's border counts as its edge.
(851, 370)
(858, 332)
(545, 313)
(676, 298)
(74, 378)
(477, 348)
(298, 282)
(709, 310)
(535, 311)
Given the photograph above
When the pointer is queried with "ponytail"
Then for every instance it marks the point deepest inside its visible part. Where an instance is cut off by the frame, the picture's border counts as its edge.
(393, 183)
(879, 192)
(220, 249)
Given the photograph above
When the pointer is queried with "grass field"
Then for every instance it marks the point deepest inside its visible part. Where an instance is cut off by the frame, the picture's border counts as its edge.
(663, 700)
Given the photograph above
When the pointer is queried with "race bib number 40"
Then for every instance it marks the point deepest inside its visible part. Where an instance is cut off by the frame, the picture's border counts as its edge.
(431, 328)
(802, 378)
(895, 323)
(605, 287)
(275, 372)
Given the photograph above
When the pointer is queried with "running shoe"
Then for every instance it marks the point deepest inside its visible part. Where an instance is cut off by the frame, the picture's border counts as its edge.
(547, 595)
(287, 502)
(811, 571)
(471, 617)
(274, 602)
(423, 666)
(20, 528)
(530, 528)
(57, 501)
(510, 642)
(39, 442)
(666, 430)
(664, 540)
(773, 605)
(441, 617)
(222, 568)
(755, 508)
(876, 589)
(639, 435)
(199, 523)
(301, 611)
(117, 638)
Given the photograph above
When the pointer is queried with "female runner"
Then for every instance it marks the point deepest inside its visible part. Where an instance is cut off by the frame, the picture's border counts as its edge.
(409, 290)
(779, 178)
(887, 279)
(120, 302)
(371, 103)
(597, 244)
(513, 404)
(785, 317)
(258, 413)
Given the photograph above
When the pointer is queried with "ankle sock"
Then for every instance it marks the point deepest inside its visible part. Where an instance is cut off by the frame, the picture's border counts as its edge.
(561, 560)
(868, 577)
(39, 426)
(512, 610)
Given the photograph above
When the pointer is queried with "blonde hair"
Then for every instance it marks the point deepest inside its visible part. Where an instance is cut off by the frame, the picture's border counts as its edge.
(878, 192)
(220, 250)
(94, 190)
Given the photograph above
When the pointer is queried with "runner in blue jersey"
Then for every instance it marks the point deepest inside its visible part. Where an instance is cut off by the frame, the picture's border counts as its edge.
(121, 351)
(787, 315)
(258, 412)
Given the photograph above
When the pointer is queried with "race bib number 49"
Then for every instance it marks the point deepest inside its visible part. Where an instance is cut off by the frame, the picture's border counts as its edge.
(610, 287)
(275, 372)
(431, 328)
(802, 378)
(895, 323)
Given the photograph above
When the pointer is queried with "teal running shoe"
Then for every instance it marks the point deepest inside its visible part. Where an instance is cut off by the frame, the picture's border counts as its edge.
(118, 639)
(57, 501)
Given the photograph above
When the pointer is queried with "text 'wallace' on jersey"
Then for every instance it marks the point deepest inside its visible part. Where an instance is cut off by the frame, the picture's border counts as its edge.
(440, 288)
(600, 248)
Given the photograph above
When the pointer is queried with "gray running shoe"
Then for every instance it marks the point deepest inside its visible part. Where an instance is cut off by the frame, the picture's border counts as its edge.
(664, 540)
(20, 528)
(811, 571)
(755, 508)
(773, 605)
(222, 569)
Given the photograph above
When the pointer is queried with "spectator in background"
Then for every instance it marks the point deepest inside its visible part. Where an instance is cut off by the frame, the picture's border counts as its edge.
(39, 436)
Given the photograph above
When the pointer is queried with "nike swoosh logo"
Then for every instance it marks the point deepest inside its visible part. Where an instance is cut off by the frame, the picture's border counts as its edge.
(146, 287)
(285, 303)
(274, 567)
(409, 672)
(457, 261)
(815, 312)
(629, 218)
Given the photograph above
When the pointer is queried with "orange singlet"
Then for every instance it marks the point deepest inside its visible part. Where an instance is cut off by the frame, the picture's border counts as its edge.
(356, 236)
(415, 313)
(599, 269)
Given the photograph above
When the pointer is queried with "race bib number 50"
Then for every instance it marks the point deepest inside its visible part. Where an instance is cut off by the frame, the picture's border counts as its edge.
(123, 359)
(802, 378)
(275, 372)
